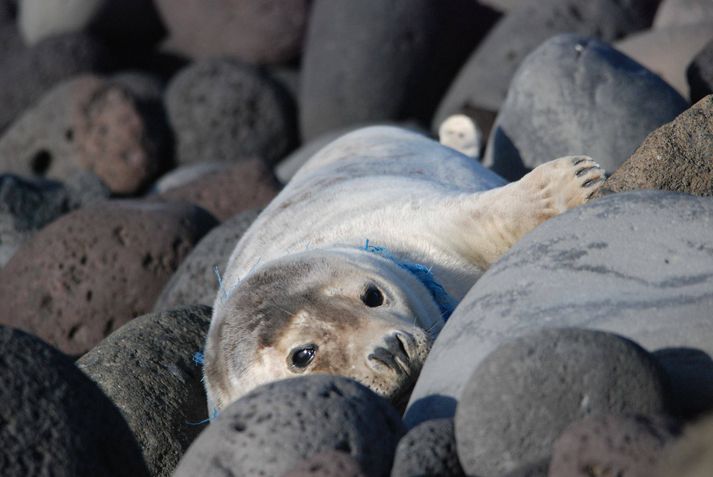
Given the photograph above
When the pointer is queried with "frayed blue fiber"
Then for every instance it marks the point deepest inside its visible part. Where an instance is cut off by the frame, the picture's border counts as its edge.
(198, 358)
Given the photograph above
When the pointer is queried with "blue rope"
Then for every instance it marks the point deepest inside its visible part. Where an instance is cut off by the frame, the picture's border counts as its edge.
(199, 360)
(446, 303)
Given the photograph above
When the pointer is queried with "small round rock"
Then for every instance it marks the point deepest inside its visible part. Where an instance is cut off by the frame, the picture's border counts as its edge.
(327, 464)
(223, 110)
(609, 444)
(428, 449)
(162, 395)
(525, 393)
(55, 420)
(94, 269)
(273, 428)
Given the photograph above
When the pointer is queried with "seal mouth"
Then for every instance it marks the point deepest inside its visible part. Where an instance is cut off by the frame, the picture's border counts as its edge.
(395, 355)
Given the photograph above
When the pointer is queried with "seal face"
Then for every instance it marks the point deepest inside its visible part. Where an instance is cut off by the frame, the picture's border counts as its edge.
(303, 293)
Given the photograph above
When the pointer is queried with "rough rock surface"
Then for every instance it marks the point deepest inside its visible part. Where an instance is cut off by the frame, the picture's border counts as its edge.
(683, 12)
(527, 391)
(55, 420)
(692, 455)
(162, 395)
(700, 73)
(637, 264)
(96, 268)
(625, 446)
(222, 110)
(25, 75)
(256, 31)
(195, 280)
(428, 449)
(482, 83)
(371, 60)
(668, 51)
(25, 207)
(245, 185)
(676, 156)
(88, 124)
(327, 464)
(577, 95)
(276, 426)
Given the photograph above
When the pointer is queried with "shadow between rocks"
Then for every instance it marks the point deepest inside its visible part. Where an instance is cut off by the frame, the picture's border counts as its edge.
(690, 372)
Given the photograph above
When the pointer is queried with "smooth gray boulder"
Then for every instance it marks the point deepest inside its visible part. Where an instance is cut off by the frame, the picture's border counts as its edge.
(683, 12)
(577, 95)
(428, 449)
(147, 369)
(273, 428)
(639, 264)
(56, 421)
(525, 393)
(482, 83)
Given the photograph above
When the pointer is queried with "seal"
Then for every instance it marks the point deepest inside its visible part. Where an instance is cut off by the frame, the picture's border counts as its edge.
(353, 268)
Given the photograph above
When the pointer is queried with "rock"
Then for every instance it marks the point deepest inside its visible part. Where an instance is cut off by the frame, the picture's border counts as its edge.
(132, 22)
(428, 449)
(700, 73)
(162, 398)
(371, 60)
(97, 268)
(265, 432)
(89, 124)
(10, 41)
(25, 207)
(85, 188)
(183, 175)
(195, 280)
(535, 469)
(255, 31)
(525, 393)
(327, 464)
(626, 446)
(25, 75)
(668, 51)
(675, 157)
(692, 455)
(637, 264)
(598, 102)
(683, 12)
(482, 84)
(8, 11)
(146, 87)
(55, 420)
(222, 110)
(244, 185)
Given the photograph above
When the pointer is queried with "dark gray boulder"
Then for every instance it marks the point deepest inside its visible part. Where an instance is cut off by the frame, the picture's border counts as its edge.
(55, 420)
(371, 60)
(223, 110)
(577, 95)
(195, 280)
(527, 391)
(482, 83)
(146, 368)
(428, 449)
(273, 428)
(637, 264)
(327, 464)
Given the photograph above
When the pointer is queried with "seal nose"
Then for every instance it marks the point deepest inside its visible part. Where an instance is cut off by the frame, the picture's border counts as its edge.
(395, 353)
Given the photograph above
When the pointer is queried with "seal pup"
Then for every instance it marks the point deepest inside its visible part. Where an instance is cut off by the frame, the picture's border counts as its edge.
(304, 292)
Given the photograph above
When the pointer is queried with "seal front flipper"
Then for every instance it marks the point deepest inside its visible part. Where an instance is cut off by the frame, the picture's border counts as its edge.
(488, 223)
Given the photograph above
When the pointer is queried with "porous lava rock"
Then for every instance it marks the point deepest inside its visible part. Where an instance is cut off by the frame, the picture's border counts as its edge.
(327, 464)
(428, 449)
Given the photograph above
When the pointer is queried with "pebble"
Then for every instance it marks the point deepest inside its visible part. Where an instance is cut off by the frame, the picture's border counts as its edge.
(525, 393)
(273, 428)
(327, 464)
(683, 12)
(96, 268)
(195, 280)
(372, 60)
(428, 449)
(612, 444)
(55, 420)
(674, 157)
(26, 74)
(162, 396)
(482, 84)
(577, 95)
(88, 124)
(255, 31)
(700, 73)
(222, 110)
(692, 455)
(668, 51)
(244, 185)
(637, 264)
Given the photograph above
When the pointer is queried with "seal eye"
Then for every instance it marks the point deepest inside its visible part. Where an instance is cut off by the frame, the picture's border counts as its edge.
(301, 357)
(372, 297)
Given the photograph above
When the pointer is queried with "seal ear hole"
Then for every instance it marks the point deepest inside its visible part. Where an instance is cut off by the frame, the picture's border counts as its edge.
(301, 357)
(372, 297)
